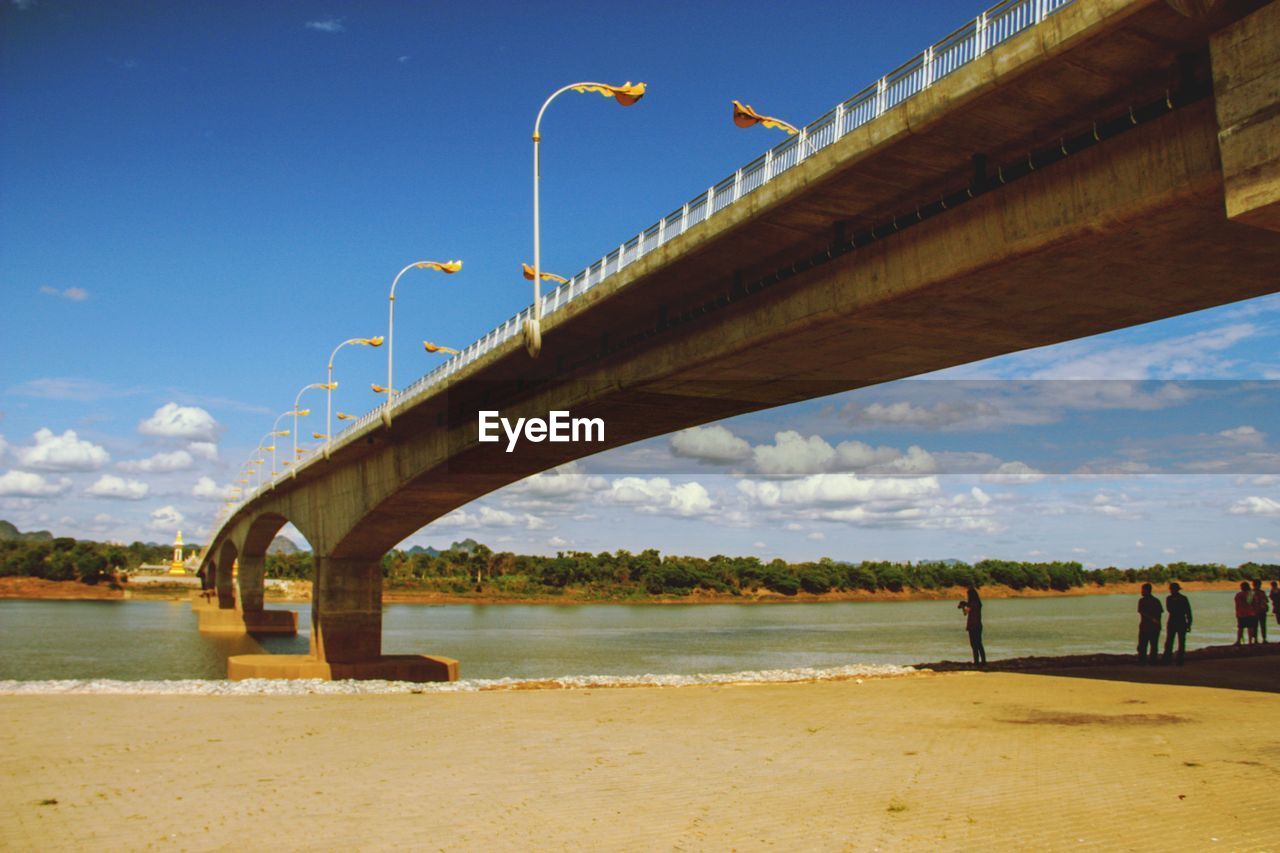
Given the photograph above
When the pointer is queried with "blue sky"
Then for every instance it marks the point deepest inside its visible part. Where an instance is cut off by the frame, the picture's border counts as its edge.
(198, 201)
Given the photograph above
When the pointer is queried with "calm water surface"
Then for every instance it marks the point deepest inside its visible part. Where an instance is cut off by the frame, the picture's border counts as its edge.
(135, 640)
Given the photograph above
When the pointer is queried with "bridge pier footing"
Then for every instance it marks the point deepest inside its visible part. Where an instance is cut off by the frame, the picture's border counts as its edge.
(346, 634)
(213, 619)
(416, 668)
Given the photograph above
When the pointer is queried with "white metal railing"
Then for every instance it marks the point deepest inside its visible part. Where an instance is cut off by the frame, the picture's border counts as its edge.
(998, 24)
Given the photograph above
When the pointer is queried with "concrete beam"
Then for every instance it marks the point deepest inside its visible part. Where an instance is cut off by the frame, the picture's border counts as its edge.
(1246, 86)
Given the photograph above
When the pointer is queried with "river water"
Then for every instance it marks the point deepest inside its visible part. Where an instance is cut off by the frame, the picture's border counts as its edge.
(148, 640)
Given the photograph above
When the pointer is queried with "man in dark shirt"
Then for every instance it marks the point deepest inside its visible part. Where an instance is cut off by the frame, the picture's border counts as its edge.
(1179, 609)
(1149, 613)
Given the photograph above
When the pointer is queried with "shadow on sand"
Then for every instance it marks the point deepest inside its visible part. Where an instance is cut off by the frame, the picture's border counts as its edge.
(1231, 667)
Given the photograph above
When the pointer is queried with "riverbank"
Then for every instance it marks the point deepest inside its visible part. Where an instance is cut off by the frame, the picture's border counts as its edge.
(300, 592)
(980, 760)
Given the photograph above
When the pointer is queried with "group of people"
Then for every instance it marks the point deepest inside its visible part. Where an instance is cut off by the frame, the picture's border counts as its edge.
(1251, 610)
(1251, 618)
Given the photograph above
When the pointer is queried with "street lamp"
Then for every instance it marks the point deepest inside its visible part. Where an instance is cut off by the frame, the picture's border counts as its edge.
(626, 95)
(745, 116)
(449, 267)
(276, 431)
(328, 403)
(304, 412)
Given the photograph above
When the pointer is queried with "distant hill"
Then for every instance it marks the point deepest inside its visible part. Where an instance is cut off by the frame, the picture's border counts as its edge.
(466, 546)
(8, 532)
(282, 545)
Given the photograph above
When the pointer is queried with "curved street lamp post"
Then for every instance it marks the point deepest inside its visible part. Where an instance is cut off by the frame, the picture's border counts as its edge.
(626, 95)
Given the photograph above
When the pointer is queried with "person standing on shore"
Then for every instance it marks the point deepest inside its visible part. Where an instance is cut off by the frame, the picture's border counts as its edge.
(1149, 613)
(1244, 615)
(972, 607)
(1275, 601)
(1260, 608)
(1179, 609)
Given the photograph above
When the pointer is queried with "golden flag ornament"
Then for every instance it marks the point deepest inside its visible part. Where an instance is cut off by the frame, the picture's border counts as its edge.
(445, 266)
(744, 116)
(546, 276)
(626, 94)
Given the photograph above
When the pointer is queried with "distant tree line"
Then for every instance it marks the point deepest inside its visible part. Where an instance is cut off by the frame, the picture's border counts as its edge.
(624, 574)
(66, 559)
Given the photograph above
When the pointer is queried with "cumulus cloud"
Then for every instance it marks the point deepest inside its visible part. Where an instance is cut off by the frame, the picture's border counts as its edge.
(566, 482)
(178, 460)
(1014, 473)
(1255, 505)
(1243, 435)
(118, 488)
(837, 488)
(904, 413)
(659, 495)
(1260, 542)
(206, 489)
(166, 518)
(710, 444)
(326, 25)
(557, 542)
(174, 421)
(24, 484)
(74, 294)
(204, 450)
(488, 517)
(66, 452)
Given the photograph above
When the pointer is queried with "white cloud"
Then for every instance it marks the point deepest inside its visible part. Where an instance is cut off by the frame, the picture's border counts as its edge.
(75, 294)
(174, 421)
(565, 482)
(4, 445)
(1255, 505)
(557, 542)
(117, 488)
(792, 454)
(659, 495)
(208, 490)
(1243, 435)
(1194, 356)
(816, 536)
(23, 484)
(1013, 473)
(488, 517)
(1260, 542)
(64, 452)
(838, 488)
(326, 25)
(178, 460)
(204, 449)
(166, 518)
(905, 413)
(710, 444)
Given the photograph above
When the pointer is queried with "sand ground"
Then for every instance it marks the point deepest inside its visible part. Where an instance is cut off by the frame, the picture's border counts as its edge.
(934, 761)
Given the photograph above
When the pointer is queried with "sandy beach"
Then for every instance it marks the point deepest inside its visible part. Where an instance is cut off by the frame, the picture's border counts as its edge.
(1102, 757)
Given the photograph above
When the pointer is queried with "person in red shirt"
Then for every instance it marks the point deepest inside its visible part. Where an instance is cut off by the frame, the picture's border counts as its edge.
(1260, 609)
(1246, 619)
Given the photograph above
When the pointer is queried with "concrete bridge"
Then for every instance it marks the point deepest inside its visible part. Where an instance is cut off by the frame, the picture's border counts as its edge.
(1106, 163)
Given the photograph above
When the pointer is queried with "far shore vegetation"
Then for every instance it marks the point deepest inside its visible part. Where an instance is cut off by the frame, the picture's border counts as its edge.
(468, 568)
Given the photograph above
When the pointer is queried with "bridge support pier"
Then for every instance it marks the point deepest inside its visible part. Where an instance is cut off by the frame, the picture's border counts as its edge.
(242, 614)
(346, 634)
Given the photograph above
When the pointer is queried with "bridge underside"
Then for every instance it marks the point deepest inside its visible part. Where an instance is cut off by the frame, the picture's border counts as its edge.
(1177, 213)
